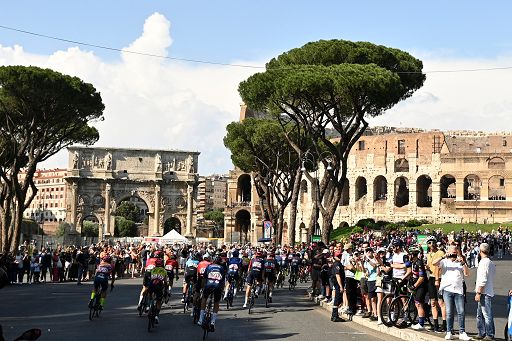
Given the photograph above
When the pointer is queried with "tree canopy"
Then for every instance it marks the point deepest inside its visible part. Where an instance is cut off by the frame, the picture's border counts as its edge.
(334, 84)
(41, 112)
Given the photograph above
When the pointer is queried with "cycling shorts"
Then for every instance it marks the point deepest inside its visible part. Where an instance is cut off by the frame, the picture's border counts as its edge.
(156, 287)
(232, 276)
(101, 281)
(271, 276)
(421, 293)
(190, 278)
(216, 290)
(254, 276)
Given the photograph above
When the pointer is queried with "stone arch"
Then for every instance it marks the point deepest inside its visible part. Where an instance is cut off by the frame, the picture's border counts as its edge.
(90, 216)
(173, 223)
(497, 188)
(424, 191)
(401, 165)
(472, 186)
(138, 201)
(345, 194)
(361, 187)
(243, 188)
(447, 187)
(243, 224)
(496, 162)
(380, 188)
(401, 191)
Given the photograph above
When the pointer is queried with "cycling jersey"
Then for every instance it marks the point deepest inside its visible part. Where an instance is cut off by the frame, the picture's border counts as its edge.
(157, 274)
(170, 265)
(191, 267)
(201, 267)
(103, 272)
(214, 275)
(418, 270)
(256, 265)
(270, 266)
(150, 264)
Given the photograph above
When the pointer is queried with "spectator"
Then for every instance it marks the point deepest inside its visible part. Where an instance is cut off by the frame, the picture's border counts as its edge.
(453, 269)
(484, 288)
(349, 263)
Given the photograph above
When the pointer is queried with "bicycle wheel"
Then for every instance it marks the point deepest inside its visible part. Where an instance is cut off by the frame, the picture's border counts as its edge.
(412, 312)
(384, 310)
(151, 317)
(266, 296)
(395, 311)
(506, 332)
(251, 302)
(91, 313)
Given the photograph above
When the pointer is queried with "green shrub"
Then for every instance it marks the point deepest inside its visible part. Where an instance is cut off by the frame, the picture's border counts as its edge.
(413, 223)
(357, 229)
(125, 228)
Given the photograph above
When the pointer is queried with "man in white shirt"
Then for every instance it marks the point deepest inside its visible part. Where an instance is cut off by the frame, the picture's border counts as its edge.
(484, 289)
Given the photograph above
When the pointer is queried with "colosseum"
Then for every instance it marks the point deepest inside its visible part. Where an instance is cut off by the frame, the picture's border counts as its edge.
(398, 174)
(401, 174)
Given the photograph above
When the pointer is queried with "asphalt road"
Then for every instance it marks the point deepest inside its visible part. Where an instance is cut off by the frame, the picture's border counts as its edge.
(60, 310)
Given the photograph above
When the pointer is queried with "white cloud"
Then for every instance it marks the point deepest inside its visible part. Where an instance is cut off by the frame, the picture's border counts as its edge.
(153, 102)
(472, 100)
(160, 103)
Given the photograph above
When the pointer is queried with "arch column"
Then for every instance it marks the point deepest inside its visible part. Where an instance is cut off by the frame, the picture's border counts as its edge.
(413, 203)
(190, 204)
(484, 189)
(436, 197)
(74, 201)
(459, 189)
(156, 214)
(107, 210)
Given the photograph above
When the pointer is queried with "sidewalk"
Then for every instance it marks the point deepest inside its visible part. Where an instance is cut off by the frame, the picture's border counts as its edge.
(404, 334)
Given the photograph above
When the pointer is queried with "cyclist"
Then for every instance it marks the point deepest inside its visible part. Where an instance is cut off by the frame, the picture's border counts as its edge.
(150, 265)
(104, 270)
(156, 282)
(213, 281)
(271, 268)
(234, 267)
(172, 267)
(418, 284)
(201, 268)
(295, 262)
(245, 264)
(190, 273)
(255, 273)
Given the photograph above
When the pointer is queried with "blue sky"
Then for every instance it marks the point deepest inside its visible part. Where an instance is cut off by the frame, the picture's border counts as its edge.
(446, 35)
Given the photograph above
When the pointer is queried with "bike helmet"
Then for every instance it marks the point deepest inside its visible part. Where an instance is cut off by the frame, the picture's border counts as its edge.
(236, 253)
(259, 254)
(431, 239)
(159, 262)
(197, 256)
(107, 259)
(206, 256)
(414, 249)
(397, 242)
(217, 259)
(158, 254)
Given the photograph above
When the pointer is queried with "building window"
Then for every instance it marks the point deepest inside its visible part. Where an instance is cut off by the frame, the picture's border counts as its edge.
(502, 182)
(504, 143)
(361, 145)
(401, 146)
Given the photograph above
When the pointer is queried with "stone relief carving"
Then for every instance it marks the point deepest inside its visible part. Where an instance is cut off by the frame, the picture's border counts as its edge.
(76, 158)
(98, 200)
(83, 200)
(180, 202)
(158, 163)
(108, 161)
(190, 164)
(181, 166)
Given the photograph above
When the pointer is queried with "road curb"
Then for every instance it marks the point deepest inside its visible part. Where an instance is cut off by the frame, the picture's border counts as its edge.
(404, 334)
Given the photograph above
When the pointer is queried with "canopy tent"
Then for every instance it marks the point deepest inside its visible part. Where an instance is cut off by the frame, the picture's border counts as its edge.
(173, 237)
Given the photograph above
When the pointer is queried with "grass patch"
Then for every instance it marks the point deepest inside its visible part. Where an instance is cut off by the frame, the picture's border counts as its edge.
(341, 233)
(447, 228)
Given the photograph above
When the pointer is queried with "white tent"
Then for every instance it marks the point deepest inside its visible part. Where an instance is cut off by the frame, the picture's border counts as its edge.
(173, 237)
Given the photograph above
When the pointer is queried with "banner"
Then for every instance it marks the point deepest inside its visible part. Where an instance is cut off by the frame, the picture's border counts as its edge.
(421, 239)
(267, 229)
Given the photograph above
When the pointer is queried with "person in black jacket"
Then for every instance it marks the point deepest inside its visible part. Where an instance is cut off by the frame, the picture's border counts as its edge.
(337, 278)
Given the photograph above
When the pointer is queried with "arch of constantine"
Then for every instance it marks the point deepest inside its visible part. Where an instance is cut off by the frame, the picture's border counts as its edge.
(101, 178)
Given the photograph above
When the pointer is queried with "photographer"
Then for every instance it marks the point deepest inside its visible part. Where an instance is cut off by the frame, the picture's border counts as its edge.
(453, 270)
